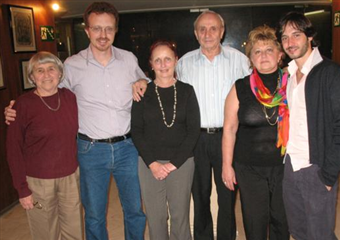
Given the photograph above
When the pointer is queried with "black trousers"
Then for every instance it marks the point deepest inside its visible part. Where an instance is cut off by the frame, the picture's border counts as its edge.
(262, 202)
(208, 157)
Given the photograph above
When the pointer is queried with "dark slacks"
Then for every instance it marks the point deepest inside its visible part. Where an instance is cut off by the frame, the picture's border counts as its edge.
(261, 201)
(208, 157)
(310, 207)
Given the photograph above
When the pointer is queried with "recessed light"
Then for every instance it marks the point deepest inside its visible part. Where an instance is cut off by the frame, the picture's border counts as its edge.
(55, 7)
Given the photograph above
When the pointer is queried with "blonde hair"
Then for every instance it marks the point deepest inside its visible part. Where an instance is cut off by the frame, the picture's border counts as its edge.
(262, 33)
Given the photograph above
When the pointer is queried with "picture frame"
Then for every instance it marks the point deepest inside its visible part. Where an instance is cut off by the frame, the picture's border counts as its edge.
(26, 85)
(337, 19)
(23, 30)
(2, 81)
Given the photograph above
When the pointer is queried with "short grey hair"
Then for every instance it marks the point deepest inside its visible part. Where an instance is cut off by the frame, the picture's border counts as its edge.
(208, 12)
(41, 58)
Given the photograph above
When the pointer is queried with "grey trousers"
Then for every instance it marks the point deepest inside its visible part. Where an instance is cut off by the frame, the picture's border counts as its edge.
(171, 195)
(310, 207)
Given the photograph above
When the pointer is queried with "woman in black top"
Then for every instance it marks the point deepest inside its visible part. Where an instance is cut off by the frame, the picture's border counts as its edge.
(254, 138)
(165, 126)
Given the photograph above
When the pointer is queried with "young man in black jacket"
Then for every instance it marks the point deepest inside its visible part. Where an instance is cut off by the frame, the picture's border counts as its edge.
(313, 153)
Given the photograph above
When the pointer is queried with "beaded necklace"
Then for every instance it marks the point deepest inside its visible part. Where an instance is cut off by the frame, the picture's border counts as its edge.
(162, 109)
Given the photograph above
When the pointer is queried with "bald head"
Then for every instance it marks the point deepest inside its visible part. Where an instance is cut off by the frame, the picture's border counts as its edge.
(208, 12)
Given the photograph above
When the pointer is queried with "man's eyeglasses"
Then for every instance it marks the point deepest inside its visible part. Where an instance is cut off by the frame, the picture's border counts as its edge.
(98, 29)
(38, 205)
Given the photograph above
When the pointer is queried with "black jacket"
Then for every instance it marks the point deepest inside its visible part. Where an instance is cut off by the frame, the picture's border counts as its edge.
(322, 93)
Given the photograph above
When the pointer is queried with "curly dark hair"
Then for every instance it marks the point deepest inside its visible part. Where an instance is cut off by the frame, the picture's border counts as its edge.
(300, 22)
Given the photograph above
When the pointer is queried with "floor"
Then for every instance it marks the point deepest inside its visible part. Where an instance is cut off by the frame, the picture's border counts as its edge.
(14, 226)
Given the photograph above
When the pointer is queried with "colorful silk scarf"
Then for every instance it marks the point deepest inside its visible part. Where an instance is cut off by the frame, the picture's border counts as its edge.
(278, 98)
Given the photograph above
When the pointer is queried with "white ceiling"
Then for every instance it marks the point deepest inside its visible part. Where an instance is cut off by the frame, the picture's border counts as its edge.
(75, 8)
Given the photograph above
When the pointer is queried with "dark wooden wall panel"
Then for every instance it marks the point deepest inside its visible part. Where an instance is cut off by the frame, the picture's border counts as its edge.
(43, 16)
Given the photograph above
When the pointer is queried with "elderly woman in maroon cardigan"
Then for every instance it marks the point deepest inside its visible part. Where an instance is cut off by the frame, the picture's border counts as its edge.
(42, 153)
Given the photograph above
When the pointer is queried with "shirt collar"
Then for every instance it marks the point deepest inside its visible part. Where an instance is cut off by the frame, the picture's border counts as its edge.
(313, 59)
(200, 55)
(88, 55)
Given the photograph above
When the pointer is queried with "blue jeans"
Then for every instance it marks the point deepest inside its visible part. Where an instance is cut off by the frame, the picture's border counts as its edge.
(97, 161)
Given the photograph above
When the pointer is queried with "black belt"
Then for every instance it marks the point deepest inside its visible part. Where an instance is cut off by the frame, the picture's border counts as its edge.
(212, 130)
(107, 140)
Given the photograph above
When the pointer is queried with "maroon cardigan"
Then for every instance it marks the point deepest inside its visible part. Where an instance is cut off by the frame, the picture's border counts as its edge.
(42, 143)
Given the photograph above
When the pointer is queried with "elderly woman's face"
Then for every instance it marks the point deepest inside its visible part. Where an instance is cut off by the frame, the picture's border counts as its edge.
(265, 56)
(163, 61)
(46, 77)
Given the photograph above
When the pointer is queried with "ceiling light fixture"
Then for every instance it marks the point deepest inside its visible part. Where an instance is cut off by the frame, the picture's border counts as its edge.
(314, 12)
(199, 10)
(55, 7)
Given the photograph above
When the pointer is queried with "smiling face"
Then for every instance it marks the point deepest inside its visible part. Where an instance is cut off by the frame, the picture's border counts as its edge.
(209, 31)
(163, 61)
(46, 77)
(101, 31)
(296, 44)
(265, 56)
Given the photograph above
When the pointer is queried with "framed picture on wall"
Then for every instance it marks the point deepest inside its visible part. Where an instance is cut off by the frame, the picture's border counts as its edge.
(2, 82)
(22, 26)
(337, 19)
(25, 83)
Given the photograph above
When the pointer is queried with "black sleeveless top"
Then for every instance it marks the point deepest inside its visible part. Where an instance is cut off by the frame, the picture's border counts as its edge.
(256, 138)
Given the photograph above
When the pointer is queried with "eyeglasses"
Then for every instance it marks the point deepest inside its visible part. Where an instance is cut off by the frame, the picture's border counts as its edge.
(99, 29)
(38, 205)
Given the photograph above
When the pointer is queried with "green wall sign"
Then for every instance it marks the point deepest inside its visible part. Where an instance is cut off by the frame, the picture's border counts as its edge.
(47, 33)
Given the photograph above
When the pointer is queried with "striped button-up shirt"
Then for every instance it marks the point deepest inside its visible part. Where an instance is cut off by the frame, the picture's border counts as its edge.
(212, 80)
